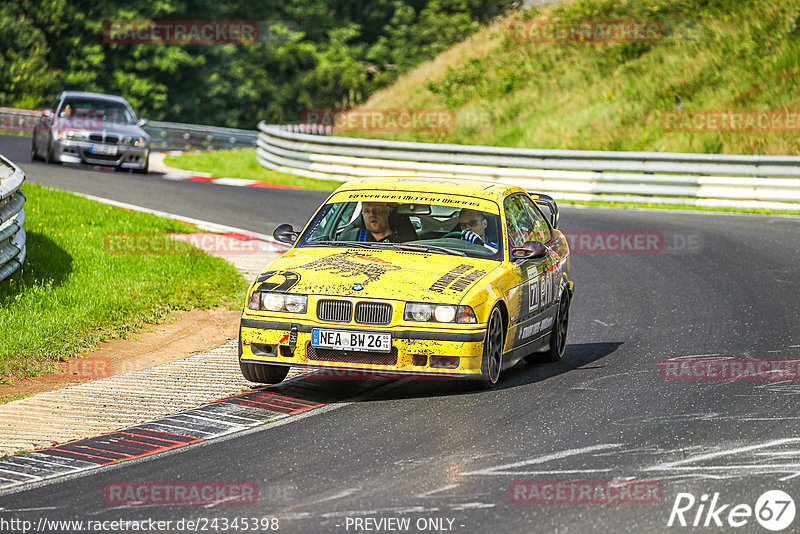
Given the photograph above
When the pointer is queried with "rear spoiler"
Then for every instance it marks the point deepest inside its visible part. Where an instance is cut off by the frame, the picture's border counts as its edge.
(548, 202)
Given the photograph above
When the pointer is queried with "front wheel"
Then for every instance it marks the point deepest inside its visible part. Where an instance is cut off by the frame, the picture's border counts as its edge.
(492, 359)
(263, 373)
(34, 154)
(49, 155)
(144, 169)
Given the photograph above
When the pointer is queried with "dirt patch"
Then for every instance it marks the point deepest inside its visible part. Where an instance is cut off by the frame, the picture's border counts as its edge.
(184, 334)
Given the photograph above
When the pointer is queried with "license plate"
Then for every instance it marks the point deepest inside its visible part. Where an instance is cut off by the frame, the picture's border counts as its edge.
(103, 149)
(354, 341)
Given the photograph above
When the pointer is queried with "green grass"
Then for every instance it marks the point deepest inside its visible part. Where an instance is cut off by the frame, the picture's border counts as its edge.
(5, 399)
(74, 291)
(243, 164)
(716, 55)
(15, 132)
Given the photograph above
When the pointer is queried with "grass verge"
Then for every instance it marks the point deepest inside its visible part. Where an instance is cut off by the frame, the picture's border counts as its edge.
(74, 292)
(243, 164)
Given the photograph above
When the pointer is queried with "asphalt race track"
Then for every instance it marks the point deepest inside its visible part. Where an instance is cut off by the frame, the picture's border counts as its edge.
(717, 286)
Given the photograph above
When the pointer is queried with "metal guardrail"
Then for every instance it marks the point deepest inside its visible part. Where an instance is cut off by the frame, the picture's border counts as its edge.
(177, 136)
(766, 182)
(163, 135)
(12, 217)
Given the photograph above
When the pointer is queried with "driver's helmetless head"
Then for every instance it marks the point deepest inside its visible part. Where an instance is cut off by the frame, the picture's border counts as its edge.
(376, 216)
(473, 220)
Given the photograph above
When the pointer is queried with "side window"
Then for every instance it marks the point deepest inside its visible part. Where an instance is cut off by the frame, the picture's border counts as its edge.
(521, 226)
(541, 227)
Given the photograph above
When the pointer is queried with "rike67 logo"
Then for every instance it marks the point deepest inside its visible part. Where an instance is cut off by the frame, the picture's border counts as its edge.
(774, 511)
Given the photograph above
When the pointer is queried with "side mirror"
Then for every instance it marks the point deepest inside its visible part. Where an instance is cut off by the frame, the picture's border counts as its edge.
(285, 234)
(142, 122)
(529, 250)
(546, 201)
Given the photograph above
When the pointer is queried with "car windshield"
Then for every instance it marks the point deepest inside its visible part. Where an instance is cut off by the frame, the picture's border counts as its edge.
(417, 227)
(96, 110)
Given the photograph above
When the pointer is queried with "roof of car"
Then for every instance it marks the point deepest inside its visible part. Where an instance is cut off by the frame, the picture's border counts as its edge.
(478, 188)
(84, 94)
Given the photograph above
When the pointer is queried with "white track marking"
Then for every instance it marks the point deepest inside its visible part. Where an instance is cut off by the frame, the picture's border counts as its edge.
(202, 225)
(427, 494)
(546, 458)
(236, 182)
(681, 464)
(472, 506)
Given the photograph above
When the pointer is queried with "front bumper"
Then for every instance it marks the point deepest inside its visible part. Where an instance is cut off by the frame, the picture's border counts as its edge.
(263, 340)
(75, 151)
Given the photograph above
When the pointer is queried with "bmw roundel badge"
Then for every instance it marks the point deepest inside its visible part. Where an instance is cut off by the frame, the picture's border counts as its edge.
(357, 287)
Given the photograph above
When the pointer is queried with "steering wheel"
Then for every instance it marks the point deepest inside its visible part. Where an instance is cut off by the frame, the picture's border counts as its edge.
(454, 233)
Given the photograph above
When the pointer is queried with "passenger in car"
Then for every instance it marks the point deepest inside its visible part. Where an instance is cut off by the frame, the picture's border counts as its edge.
(473, 227)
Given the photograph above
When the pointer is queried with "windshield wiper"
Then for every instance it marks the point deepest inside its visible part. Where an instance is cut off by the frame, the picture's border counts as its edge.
(427, 248)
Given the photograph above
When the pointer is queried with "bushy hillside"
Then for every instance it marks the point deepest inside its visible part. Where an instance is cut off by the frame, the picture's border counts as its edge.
(326, 53)
(712, 55)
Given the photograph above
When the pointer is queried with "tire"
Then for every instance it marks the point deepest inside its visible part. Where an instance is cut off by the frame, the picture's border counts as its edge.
(492, 359)
(34, 155)
(48, 158)
(558, 337)
(144, 169)
(263, 373)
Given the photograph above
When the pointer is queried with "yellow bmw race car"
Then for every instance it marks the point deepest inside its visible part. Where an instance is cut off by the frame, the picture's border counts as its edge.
(411, 276)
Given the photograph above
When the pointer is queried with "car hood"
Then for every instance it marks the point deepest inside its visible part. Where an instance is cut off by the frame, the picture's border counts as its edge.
(385, 274)
(123, 129)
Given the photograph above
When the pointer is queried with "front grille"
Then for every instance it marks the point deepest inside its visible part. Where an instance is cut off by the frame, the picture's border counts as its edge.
(98, 138)
(335, 311)
(373, 313)
(346, 356)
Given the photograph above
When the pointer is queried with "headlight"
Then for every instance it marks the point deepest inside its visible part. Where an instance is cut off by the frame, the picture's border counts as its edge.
(278, 302)
(439, 313)
(134, 141)
(71, 134)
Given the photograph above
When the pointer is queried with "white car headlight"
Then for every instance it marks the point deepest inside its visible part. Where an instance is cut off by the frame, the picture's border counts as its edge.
(278, 302)
(439, 313)
(444, 314)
